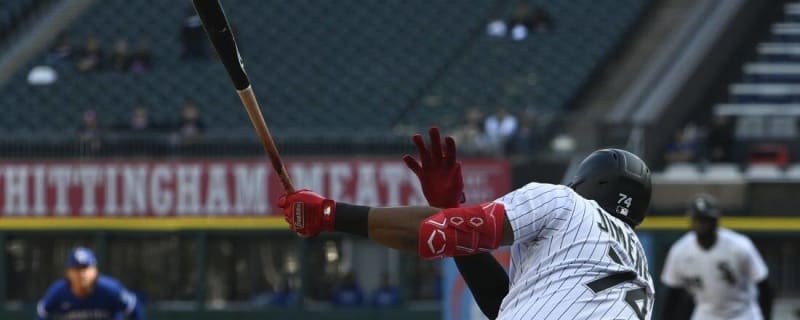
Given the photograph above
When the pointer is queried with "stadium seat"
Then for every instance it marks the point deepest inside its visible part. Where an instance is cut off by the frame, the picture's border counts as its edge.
(681, 172)
(331, 66)
(763, 172)
(765, 102)
(14, 12)
(793, 172)
(722, 172)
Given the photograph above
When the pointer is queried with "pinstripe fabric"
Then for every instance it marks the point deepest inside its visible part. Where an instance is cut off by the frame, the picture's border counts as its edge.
(563, 243)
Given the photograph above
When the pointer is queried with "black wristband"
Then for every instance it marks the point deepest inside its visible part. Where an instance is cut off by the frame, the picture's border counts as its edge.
(352, 219)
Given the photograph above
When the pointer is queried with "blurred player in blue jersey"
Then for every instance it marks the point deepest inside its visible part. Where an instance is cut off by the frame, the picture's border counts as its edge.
(87, 295)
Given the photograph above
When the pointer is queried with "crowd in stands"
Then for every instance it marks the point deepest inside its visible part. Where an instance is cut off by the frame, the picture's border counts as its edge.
(500, 133)
(522, 22)
(703, 143)
(193, 38)
(91, 57)
(187, 130)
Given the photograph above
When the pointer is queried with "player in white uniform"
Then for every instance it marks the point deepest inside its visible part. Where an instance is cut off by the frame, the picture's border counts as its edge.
(574, 252)
(572, 260)
(720, 268)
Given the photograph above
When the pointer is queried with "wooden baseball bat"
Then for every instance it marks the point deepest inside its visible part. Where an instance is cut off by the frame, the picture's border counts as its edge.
(219, 32)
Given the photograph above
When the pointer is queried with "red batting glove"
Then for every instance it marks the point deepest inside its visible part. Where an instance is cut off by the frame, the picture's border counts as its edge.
(438, 171)
(308, 213)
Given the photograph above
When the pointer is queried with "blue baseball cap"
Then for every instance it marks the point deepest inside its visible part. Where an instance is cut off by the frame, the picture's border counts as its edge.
(81, 257)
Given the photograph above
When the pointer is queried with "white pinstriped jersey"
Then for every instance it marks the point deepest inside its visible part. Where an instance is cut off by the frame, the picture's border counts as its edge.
(722, 279)
(571, 260)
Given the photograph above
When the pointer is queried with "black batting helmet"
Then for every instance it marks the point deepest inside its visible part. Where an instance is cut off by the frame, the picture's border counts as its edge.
(618, 180)
(704, 205)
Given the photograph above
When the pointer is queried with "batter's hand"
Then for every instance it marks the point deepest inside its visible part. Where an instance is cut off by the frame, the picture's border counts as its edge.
(438, 171)
(308, 213)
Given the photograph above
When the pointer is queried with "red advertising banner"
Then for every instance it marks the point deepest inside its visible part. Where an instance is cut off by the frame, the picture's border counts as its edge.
(214, 188)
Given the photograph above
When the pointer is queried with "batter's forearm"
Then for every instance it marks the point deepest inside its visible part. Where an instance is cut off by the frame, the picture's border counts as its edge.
(486, 279)
(398, 227)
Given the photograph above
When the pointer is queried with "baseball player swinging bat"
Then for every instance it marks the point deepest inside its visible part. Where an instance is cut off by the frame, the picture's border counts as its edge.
(219, 32)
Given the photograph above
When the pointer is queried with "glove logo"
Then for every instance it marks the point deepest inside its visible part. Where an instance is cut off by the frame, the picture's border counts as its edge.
(476, 221)
(433, 242)
(440, 225)
(298, 215)
(326, 211)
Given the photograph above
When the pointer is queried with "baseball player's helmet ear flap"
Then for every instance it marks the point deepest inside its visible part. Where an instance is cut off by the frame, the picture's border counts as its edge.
(618, 180)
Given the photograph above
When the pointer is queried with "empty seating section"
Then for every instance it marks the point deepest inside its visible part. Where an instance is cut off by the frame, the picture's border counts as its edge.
(325, 67)
(727, 172)
(543, 72)
(766, 103)
(12, 12)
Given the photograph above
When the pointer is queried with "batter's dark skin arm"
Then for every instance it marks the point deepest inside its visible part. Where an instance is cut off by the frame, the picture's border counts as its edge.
(398, 227)
(440, 177)
(486, 279)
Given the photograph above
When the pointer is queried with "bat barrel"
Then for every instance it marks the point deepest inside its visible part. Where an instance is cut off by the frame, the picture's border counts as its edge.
(219, 32)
